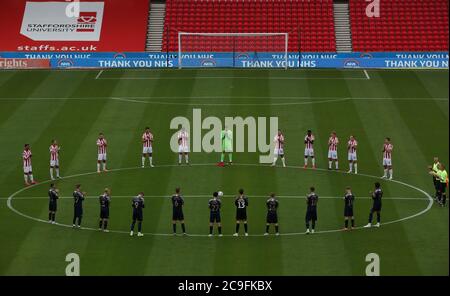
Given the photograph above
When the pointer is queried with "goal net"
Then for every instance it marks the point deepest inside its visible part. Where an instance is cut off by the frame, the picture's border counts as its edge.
(240, 50)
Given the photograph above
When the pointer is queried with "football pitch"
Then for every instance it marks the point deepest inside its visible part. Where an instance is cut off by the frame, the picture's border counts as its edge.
(409, 106)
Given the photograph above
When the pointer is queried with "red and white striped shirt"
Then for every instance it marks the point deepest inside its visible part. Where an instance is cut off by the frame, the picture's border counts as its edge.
(183, 138)
(279, 141)
(54, 152)
(309, 142)
(147, 139)
(332, 143)
(387, 151)
(26, 156)
(352, 144)
(101, 145)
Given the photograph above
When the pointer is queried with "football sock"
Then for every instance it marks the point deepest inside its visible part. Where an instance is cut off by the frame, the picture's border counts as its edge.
(245, 227)
(353, 222)
(346, 224)
(237, 227)
(336, 163)
(222, 157)
(385, 172)
(275, 160)
(378, 217)
(370, 217)
(313, 224)
(330, 163)
(350, 165)
(183, 227)
(53, 217)
(31, 178)
(49, 216)
(276, 228)
(104, 165)
(220, 229)
(186, 157)
(51, 173)
(307, 225)
(391, 173)
(100, 224)
(98, 167)
(74, 220)
(313, 160)
(356, 168)
(210, 229)
(139, 226)
(284, 162)
(151, 160)
(25, 177)
(267, 228)
(79, 221)
(174, 227)
(132, 225)
(180, 157)
(230, 157)
(143, 161)
(105, 224)
(306, 161)
(57, 172)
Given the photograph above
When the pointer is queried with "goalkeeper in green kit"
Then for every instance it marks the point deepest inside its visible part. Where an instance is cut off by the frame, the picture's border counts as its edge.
(226, 138)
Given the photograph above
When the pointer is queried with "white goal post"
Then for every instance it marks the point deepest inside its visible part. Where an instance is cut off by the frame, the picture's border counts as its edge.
(264, 43)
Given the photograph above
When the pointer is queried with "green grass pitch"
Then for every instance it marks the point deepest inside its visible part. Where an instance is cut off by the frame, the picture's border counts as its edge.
(409, 106)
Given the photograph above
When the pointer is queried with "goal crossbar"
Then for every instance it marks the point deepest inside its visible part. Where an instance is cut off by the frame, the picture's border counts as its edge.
(256, 34)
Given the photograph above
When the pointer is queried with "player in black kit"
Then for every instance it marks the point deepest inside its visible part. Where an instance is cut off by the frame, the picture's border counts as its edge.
(177, 211)
(138, 205)
(349, 199)
(311, 210)
(272, 216)
(53, 195)
(105, 200)
(78, 198)
(214, 205)
(241, 204)
(376, 206)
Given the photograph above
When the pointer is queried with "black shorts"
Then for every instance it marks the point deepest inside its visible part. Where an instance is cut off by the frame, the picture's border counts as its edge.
(104, 213)
(78, 212)
(52, 206)
(376, 207)
(241, 215)
(177, 215)
(138, 215)
(272, 217)
(348, 211)
(436, 183)
(214, 217)
(311, 215)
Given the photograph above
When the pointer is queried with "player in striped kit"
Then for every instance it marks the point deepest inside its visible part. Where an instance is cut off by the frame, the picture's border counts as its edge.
(352, 144)
(27, 168)
(101, 148)
(54, 159)
(387, 159)
(183, 145)
(309, 149)
(333, 142)
(279, 148)
(147, 150)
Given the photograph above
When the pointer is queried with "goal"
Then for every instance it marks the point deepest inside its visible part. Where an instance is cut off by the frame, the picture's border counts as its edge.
(238, 50)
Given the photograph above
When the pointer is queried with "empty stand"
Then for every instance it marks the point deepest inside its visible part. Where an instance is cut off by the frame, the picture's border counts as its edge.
(403, 25)
(309, 23)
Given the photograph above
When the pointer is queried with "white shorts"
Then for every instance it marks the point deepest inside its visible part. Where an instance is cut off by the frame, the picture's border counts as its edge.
(352, 156)
(27, 169)
(387, 162)
(309, 152)
(54, 163)
(278, 152)
(102, 157)
(183, 149)
(332, 154)
(147, 150)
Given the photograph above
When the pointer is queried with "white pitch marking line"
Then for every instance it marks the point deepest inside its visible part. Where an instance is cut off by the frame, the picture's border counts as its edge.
(99, 74)
(430, 203)
(231, 77)
(367, 74)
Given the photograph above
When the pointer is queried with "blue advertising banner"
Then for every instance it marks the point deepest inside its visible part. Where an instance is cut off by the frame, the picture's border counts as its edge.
(239, 60)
